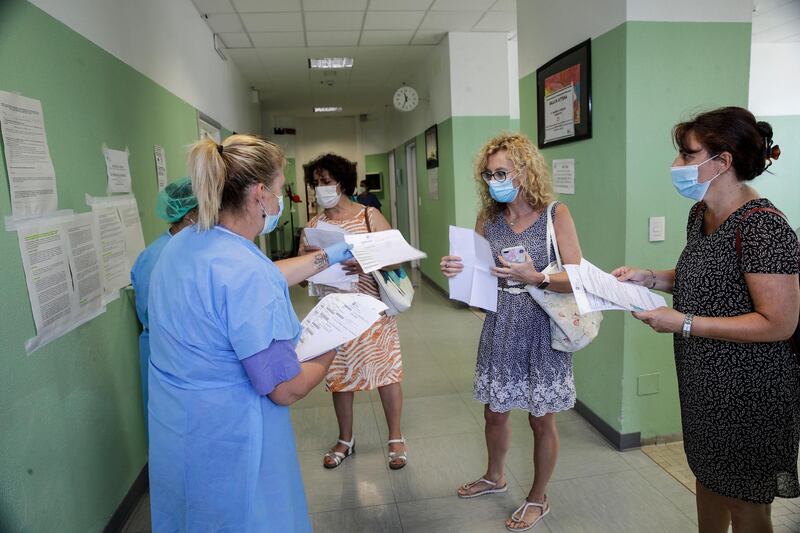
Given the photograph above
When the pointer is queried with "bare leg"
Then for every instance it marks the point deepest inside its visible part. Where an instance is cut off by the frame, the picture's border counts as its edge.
(713, 515)
(392, 401)
(343, 405)
(545, 454)
(498, 441)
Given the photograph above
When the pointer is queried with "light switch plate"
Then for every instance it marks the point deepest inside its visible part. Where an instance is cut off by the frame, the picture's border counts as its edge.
(658, 229)
(648, 384)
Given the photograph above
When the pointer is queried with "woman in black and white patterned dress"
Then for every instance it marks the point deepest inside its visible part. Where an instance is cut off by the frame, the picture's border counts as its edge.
(517, 367)
(735, 306)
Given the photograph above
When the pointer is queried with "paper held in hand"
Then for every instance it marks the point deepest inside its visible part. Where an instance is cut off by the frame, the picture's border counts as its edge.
(378, 249)
(596, 290)
(322, 236)
(475, 285)
(337, 319)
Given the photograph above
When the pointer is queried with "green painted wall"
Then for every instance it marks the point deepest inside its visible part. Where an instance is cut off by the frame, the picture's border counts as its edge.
(665, 95)
(642, 85)
(286, 221)
(71, 421)
(782, 186)
(380, 163)
(598, 210)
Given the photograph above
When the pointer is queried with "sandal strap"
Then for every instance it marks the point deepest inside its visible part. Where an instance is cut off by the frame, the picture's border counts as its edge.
(401, 440)
(397, 455)
(481, 480)
(345, 443)
(519, 514)
(337, 457)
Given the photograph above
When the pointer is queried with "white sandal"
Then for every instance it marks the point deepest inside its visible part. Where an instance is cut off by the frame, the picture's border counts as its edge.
(467, 486)
(519, 514)
(397, 456)
(338, 457)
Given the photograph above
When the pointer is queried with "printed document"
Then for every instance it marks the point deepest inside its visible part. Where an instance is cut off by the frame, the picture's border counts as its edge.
(607, 293)
(322, 236)
(337, 319)
(118, 170)
(378, 249)
(475, 285)
(31, 176)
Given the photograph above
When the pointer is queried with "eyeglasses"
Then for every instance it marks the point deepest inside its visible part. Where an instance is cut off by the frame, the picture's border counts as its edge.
(500, 176)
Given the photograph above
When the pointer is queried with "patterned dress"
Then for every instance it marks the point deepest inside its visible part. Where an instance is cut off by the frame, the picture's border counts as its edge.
(517, 367)
(373, 359)
(740, 402)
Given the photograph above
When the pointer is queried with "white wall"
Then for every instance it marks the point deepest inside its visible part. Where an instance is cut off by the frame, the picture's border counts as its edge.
(774, 79)
(513, 77)
(168, 42)
(479, 74)
(691, 10)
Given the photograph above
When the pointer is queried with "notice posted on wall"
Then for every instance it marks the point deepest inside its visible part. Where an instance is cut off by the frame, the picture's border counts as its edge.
(31, 176)
(564, 176)
(119, 233)
(161, 166)
(559, 115)
(118, 170)
(62, 272)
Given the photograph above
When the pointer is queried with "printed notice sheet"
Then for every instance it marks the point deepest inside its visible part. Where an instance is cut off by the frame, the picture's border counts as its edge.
(31, 176)
(596, 290)
(475, 285)
(322, 236)
(62, 274)
(337, 319)
(564, 176)
(559, 114)
(118, 170)
(161, 166)
(378, 249)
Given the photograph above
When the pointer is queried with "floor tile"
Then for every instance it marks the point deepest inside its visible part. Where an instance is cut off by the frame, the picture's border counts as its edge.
(435, 416)
(376, 519)
(316, 428)
(139, 521)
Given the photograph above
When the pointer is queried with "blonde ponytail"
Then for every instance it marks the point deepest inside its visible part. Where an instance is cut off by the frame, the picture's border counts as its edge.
(207, 169)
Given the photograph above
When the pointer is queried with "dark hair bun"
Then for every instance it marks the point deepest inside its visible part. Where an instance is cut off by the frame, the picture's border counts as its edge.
(764, 129)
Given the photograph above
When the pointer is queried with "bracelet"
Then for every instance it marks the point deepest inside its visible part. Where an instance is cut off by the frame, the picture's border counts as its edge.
(687, 325)
(653, 277)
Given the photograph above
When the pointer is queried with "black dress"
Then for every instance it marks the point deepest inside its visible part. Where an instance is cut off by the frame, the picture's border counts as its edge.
(740, 402)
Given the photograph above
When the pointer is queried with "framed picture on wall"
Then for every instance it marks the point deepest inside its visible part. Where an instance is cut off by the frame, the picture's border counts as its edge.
(564, 97)
(432, 147)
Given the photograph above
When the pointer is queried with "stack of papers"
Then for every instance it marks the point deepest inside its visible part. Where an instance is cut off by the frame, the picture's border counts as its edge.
(322, 236)
(476, 285)
(337, 319)
(596, 290)
(379, 249)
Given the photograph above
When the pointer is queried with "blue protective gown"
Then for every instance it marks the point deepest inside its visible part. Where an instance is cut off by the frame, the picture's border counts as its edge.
(140, 279)
(222, 457)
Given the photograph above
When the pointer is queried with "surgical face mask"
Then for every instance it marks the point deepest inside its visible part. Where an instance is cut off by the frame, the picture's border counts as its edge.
(327, 196)
(685, 180)
(503, 192)
(271, 221)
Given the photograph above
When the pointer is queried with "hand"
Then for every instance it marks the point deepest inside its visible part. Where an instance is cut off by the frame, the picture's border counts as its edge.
(338, 252)
(662, 320)
(637, 276)
(351, 267)
(306, 249)
(523, 272)
(451, 265)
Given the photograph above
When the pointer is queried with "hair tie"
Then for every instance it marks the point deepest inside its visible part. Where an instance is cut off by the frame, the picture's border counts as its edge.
(775, 152)
(220, 148)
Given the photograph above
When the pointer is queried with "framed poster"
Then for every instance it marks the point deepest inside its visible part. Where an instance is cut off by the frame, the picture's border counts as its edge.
(564, 97)
(432, 147)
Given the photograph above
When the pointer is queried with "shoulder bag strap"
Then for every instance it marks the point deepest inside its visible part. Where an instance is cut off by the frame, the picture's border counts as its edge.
(744, 217)
(366, 218)
(551, 235)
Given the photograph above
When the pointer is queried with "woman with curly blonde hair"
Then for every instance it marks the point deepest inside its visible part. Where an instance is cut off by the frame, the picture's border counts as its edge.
(517, 368)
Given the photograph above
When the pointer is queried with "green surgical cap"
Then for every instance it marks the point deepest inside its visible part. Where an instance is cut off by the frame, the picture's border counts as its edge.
(175, 200)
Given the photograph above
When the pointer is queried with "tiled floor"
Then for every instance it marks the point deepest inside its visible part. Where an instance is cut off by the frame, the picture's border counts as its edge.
(594, 489)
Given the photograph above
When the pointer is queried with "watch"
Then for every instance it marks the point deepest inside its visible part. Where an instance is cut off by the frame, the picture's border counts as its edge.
(687, 325)
(545, 282)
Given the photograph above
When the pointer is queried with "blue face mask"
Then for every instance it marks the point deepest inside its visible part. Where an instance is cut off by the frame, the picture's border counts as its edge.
(685, 180)
(271, 221)
(504, 192)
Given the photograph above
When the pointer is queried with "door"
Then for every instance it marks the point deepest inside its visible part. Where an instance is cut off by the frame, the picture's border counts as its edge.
(392, 190)
(413, 200)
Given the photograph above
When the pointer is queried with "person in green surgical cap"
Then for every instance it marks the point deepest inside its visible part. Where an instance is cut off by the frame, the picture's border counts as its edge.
(177, 205)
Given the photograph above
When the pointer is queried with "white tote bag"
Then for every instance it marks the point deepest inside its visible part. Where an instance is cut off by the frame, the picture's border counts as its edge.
(569, 330)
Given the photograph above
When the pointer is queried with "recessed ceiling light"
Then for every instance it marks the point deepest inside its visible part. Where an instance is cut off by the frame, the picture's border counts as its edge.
(328, 63)
(327, 109)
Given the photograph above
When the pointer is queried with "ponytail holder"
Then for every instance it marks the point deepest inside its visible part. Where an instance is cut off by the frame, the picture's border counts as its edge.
(775, 153)
(220, 148)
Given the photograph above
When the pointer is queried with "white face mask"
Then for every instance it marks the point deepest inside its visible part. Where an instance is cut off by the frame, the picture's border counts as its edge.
(327, 196)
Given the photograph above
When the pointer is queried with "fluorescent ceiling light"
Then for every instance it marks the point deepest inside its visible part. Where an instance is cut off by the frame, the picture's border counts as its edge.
(328, 63)
(327, 109)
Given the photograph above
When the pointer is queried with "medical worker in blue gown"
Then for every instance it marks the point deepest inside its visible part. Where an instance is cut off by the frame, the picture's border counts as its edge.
(223, 366)
(177, 205)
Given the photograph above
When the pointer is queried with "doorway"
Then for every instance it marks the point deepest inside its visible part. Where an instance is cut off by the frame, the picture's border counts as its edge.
(413, 200)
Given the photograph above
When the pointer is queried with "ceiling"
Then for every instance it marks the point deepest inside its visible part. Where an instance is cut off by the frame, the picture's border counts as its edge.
(776, 21)
(271, 40)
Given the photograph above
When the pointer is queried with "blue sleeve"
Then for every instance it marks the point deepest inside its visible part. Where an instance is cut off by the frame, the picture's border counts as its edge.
(256, 310)
(268, 368)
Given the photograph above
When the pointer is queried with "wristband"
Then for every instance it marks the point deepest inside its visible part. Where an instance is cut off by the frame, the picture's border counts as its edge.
(545, 282)
(687, 325)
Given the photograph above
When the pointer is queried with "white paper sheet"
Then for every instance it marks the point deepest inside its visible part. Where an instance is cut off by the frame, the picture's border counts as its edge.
(337, 319)
(609, 292)
(378, 249)
(587, 302)
(161, 166)
(118, 170)
(559, 114)
(60, 259)
(322, 236)
(132, 226)
(564, 176)
(475, 285)
(31, 176)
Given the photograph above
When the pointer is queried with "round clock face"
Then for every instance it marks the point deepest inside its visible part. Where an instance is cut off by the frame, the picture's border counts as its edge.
(405, 98)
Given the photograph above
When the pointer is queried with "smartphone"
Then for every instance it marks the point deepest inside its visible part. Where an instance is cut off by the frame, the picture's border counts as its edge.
(513, 254)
